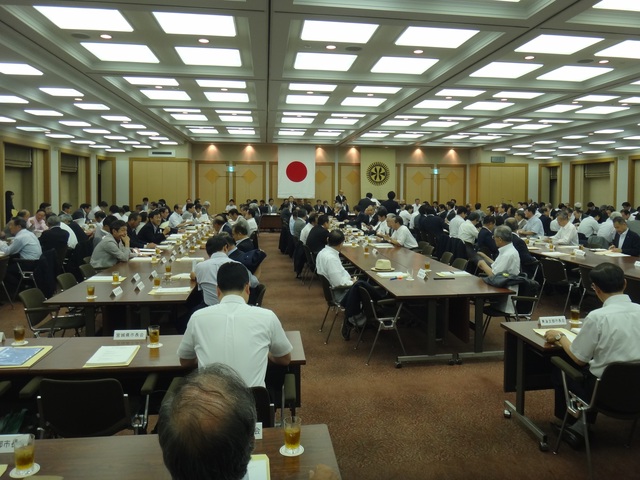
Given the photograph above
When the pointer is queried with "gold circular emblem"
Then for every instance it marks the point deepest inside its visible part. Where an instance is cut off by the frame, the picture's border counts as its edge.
(378, 173)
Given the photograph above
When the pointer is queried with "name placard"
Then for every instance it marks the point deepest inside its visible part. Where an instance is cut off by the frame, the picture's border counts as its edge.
(173, 258)
(153, 274)
(139, 286)
(258, 431)
(135, 278)
(581, 253)
(554, 321)
(116, 291)
(164, 260)
(423, 274)
(129, 334)
(7, 442)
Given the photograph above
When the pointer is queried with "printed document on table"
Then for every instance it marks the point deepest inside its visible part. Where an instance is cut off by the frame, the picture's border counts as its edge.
(113, 356)
(570, 335)
(258, 468)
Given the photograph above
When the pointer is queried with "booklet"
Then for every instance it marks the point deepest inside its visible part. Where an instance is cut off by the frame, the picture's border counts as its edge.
(258, 468)
(113, 356)
(22, 356)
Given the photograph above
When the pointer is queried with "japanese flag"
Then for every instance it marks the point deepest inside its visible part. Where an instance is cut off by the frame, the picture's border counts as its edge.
(296, 171)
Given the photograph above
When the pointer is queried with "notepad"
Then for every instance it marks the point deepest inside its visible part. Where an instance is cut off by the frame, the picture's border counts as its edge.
(383, 245)
(570, 335)
(390, 274)
(181, 276)
(460, 273)
(105, 278)
(612, 254)
(140, 259)
(190, 259)
(554, 254)
(170, 290)
(258, 468)
(21, 356)
(113, 356)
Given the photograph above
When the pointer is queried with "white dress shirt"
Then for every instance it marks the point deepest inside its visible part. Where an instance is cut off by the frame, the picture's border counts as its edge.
(454, 226)
(567, 235)
(404, 237)
(468, 232)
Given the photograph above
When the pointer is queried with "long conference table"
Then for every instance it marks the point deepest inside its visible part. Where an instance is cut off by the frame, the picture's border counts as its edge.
(460, 288)
(140, 456)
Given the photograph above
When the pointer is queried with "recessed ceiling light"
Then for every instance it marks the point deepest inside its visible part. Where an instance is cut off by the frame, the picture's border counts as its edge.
(334, 62)
(341, 32)
(602, 142)
(403, 65)
(496, 126)
(455, 92)
(33, 129)
(301, 114)
(343, 121)
(559, 108)
(170, 142)
(602, 110)
(624, 5)
(203, 40)
(196, 24)
(241, 131)
(488, 106)
(193, 117)
(633, 137)
(100, 19)
(373, 89)
(236, 118)
(398, 123)
(592, 152)
(61, 92)
(44, 113)
(631, 100)
(608, 131)
(92, 106)
(568, 155)
(603, 62)
(12, 99)
(115, 137)
(409, 135)
(457, 119)
(133, 126)
(291, 133)
(214, 57)
(542, 158)
(522, 145)
(558, 44)
(505, 70)
(626, 49)
(499, 149)
(74, 123)
(363, 102)
(597, 98)
(307, 99)
(227, 97)
(530, 126)
(375, 135)
(455, 137)
(18, 69)
(521, 154)
(437, 104)
(83, 142)
(529, 57)
(316, 87)
(166, 95)
(555, 120)
(330, 47)
(222, 83)
(628, 148)
(436, 124)
(434, 37)
(546, 150)
(157, 138)
(182, 110)
(106, 36)
(7, 120)
(121, 52)
(141, 146)
(97, 131)
(517, 120)
(58, 135)
(116, 118)
(328, 133)
(417, 52)
(298, 120)
(233, 112)
(570, 147)
(574, 137)
(544, 142)
(167, 82)
(574, 74)
(522, 95)
(148, 133)
(115, 150)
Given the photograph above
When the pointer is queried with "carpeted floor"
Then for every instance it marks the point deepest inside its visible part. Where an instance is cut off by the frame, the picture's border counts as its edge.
(427, 421)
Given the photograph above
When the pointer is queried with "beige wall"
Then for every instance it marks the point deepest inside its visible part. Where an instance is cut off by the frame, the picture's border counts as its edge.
(498, 183)
(159, 178)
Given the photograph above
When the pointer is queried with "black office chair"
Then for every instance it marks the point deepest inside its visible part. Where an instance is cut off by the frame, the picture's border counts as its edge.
(4, 265)
(555, 273)
(261, 289)
(87, 270)
(332, 303)
(585, 283)
(310, 266)
(46, 319)
(446, 258)
(616, 394)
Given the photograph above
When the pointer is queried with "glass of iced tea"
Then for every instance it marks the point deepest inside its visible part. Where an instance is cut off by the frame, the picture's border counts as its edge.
(91, 291)
(154, 336)
(366, 249)
(427, 264)
(18, 333)
(167, 267)
(156, 281)
(24, 454)
(574, 320)
(292, 427)
(158, 251)
(116, 277)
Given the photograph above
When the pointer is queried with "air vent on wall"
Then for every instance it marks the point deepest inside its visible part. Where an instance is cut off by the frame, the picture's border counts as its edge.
(498, 159)
(162, 153)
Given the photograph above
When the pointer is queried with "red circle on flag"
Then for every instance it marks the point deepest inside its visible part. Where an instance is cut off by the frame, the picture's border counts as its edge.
(296, 171)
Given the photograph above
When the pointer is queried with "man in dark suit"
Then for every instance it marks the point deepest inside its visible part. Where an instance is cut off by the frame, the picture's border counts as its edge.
(527, 261)
(243, 242)
(485, 241)
(430, 223)
(366, 201)
(221, 226)
(54, 237)
(390, 203)
(339, 212)
(134, 240)
(340, 198)
(318, 235)
(151, 232)
(625, 240)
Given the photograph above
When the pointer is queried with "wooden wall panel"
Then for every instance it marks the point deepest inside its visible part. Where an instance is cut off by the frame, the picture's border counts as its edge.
(324, 183)
(452, 181)
(153, 178)
(212, 184)
(349, 182)
(418, 183)
(501, 183)
(249, 181)
(107, 181)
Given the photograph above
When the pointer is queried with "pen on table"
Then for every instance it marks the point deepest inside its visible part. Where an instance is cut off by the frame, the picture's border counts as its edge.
(444, 278)
(393, 278)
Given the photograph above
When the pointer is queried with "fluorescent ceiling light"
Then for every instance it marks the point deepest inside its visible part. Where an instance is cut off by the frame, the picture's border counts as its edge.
(74, 123)
(630, 100)
(608, 131)
(307, 99)
(626, 49)
(403, 65)
(347, 115)
(97, 131)
(488, 106)
(346, 121)
(602, 142)
(166, 95)
(58, 135)
(340, 32)
(227, 97)
(574, 74)
(298, 120)
(518, 120)
(624, 5)
(116, 150)
(544, 142)
(530, 126)
(170, 142)
(558, 44)
(182, 110)
(593, 152)
(233, 112)
(568, 155)
(241, 131)
(633, 137)
(83, 142)
(184, 117)
(375, 135)
(92, 106)
(221, 83)
(33, 129)
(100, 19)
(522, 145)
(597, 98)
(236, 118)
(437, 104)
(457, 119)
(363, 102)
(166, 82)
(214, 57)
(116, 118)
(398, 123)
(485, 137)
(121, 52)
(439, 124)
(456, 137)
(156, 137)
(196, 24)
(499, 149)
(44, 113)
(324, 61)
(409, 135)
(148, 133)
(11, 99)
(496, 126)
(133, 126)
(523, 95)
(372, 89)
(555, 120)
(18, 69)
(546, 150)
(506, 70)
(542, 158)
(302, 114)
(602, 110)
(323, 133)
(521, 154)
(455, 92)
(115, 137)
(628, 148)
(311, 87)
(291, 133)
(435, 37)
(559, 108)
(7, 120)
(141, 146)
(570, 147)
(574, 137)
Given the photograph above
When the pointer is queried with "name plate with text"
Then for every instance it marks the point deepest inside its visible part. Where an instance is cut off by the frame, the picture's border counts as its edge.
(135, 278)
(129, 334)
(139, 287)
(153, 274)
(554, 321)
(116, 291)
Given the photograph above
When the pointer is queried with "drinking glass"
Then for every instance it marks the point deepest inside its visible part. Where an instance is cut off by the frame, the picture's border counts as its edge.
(18, 333)
(24, 455)
(292, 426)
(154, 336)
(116, 277)
(574, 321)
(91, 290)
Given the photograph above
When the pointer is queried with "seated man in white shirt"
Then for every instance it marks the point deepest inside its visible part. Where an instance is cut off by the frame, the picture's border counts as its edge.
(468, 231)
(328, 265)
(232, 332)
(175, 219)
(567, 233)
(456, 221)
(38, 223)
(312, 221)
(534, 224)
(250, 217)
(401, 236)
(606, 229)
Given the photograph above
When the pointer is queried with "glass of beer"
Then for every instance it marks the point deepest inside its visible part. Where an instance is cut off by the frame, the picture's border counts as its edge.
(154, 336)
(292, 426)
(116, 277)
(366, 249)
(427, 264)
(91, 290)
(24, 453)
(575, 316)
(156, 281)
(18, 333)
(167, 267)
